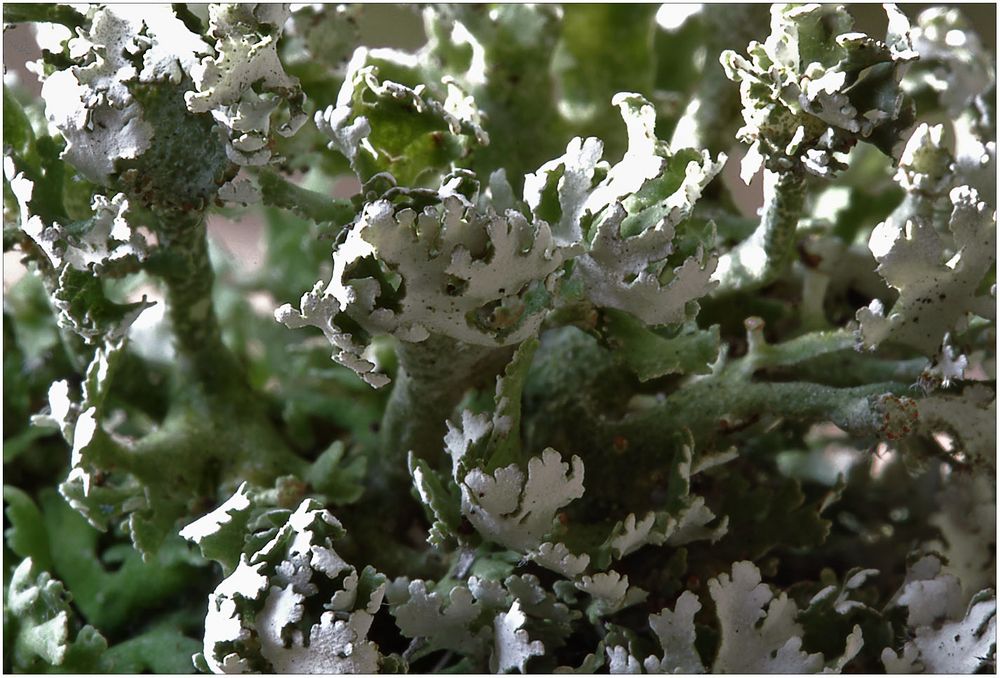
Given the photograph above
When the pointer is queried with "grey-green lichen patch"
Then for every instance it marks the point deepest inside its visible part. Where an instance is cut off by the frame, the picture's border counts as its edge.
(769, 251)
(185, 164)
(120, 107)
(413, 133)
(776, 646)
(572, 176)
(445, 621)
(105, 243)
(613, 398)
(92, 101)
(38, 608)
(75, 253)
(497, 623)
(814, 88)
(516, 504)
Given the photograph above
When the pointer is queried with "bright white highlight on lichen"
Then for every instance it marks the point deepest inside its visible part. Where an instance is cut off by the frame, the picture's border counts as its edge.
(954, 38)
(832, 202)
(671, 16)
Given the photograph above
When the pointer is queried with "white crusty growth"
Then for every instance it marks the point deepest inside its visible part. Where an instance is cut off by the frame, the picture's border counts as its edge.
(318, 309)
(759, 641)
(630, 272)
(574, 187)
(945, 639)
(109, 239)
(558, 558)
(230, 84)
(799, 112)
(937, 285)
(759, 632)
(91, 104)
(256, 615)
(462, 274)
(676, 633)
(610, 591)
(516, 509)
(512, 646)
(445, 621)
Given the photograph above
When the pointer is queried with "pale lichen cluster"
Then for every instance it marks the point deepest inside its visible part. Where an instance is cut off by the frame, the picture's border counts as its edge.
(613, 402)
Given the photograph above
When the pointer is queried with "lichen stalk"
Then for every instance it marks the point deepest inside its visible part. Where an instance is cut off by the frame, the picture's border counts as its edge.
(220, 413)
(769, 252)
(711, 406)
(433, 376)
(189, 279)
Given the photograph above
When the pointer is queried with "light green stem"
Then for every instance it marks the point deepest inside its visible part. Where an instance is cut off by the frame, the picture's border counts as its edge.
(710, 408)
(218, 429)
(433, 376)
(189, 278)
(760, 354)
(769, 252)
(279, 192)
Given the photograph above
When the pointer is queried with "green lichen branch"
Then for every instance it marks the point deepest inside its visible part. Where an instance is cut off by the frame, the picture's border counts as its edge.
(205, 363)
(713, 407)
(768, 253)
(42, 12)
(433, 376)
(734, 396)
(187, 273)
(280, 192)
